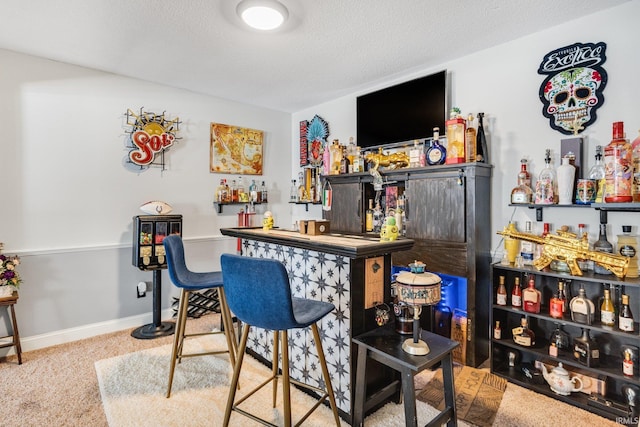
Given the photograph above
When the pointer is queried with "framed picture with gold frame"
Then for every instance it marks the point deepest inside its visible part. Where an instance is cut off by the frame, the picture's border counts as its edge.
(235, 150)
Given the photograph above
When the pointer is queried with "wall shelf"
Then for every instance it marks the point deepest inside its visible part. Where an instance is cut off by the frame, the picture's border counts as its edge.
(306, 204)
(219, 205)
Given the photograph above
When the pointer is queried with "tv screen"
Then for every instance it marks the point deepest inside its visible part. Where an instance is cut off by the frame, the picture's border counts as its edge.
(403, 112)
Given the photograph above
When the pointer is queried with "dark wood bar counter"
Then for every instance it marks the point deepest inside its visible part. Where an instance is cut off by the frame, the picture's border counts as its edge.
(353, 272)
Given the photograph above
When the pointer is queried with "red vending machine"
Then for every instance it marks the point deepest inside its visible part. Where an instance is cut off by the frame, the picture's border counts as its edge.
(148, 254)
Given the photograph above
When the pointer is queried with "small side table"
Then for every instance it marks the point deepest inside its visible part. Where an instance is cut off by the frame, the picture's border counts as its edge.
(15, 338)
(385, 346)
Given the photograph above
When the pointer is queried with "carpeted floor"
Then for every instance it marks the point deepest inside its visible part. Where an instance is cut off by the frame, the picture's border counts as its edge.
(58, 386)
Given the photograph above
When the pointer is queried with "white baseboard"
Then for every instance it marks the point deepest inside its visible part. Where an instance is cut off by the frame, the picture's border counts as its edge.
(36, 342)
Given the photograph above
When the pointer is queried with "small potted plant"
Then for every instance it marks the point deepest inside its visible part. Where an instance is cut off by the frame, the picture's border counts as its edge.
(9, 278)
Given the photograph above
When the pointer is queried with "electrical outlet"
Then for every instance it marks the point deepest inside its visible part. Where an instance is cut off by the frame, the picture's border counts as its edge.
(141, 289)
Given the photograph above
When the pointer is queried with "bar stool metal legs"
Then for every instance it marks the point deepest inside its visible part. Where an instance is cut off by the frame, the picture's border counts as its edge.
(180, 334)
(280, 341)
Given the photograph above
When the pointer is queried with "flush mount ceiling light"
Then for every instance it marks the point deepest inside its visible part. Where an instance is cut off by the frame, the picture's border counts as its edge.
(262, 14)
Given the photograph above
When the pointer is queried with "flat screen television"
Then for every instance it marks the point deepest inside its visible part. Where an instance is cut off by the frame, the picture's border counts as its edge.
(404, 112)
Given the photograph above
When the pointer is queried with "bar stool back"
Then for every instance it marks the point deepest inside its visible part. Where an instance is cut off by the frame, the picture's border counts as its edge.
(189, 281)
(259, 294)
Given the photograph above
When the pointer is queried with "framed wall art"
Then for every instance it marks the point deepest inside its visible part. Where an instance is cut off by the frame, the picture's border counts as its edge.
(236, 150)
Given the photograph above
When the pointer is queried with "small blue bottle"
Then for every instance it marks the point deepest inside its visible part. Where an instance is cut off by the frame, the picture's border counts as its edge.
(436, 154)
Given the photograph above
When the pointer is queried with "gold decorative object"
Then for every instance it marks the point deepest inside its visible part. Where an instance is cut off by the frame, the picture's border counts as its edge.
(567, 247)
(393, 161)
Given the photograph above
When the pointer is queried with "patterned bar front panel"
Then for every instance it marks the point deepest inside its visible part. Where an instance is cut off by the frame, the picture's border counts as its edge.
(318, 276)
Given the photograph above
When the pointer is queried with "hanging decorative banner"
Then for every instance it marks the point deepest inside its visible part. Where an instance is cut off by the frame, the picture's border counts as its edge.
(313, 134)
(303, 143)
(573, 89)
(149, 134)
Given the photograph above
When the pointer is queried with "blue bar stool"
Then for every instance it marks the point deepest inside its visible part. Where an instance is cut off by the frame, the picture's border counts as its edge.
(189, 281)
(259, 294)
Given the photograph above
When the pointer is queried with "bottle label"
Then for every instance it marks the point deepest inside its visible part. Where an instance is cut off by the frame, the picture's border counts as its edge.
(628, 250)
(501, 299)
(625, 324)
(607, 318)
(520, 197)
(524, 340)
(516, 300)
(627, 367)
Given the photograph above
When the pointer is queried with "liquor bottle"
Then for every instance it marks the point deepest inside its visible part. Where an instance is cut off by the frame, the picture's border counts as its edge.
(228, 191)
(253, 191)
(597, 173)
(455, 137)
(618, 167)
(625, 318)
(326, 159)
(352, 152)
(344, 161)
(527, 249)
(369, 217)
(336, 157)
(560, 338)
(602, 245)
(627, 364)
(562, 295)
(221, 192)
(497, 332)
(414, 155)
(582, 235)
(378, 218)
(566, 181)
(523, 335)
(555, 307)
(522, 193)
(586, 350)
(240, 189)
(516, 294)
(482, 153)
(263, 190)
(470, 136)
(547, 183)
(635, 148)
(293, 192)
(436, 154)
(628, 246)
(501, 294)
(234, 191)
(607, 310)
(540, 247)
(582, 308)
(531, 297)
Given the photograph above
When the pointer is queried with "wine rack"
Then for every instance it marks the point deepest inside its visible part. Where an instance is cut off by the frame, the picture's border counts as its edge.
(609, 339)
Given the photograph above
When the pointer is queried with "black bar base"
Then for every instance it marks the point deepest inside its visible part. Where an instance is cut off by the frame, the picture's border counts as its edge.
(151, 331)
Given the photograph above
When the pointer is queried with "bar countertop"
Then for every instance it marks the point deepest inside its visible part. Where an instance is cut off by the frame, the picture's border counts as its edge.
(353, 246)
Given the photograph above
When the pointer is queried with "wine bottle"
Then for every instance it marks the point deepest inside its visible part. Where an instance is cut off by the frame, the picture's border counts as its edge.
(501, 294)
(607, 311)
(482, 154)
(625, 319)
(597, 174)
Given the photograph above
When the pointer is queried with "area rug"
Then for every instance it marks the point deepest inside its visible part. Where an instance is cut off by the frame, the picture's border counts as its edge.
(133, 386)
(478, 394)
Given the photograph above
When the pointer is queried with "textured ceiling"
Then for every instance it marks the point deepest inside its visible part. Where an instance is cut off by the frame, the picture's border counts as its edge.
(328, 48)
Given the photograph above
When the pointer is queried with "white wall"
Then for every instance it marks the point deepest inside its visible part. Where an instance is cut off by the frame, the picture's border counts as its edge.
(68, 201)
(503, 83)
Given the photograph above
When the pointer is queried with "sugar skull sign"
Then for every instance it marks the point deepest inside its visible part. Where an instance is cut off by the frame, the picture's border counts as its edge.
(572, 91)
